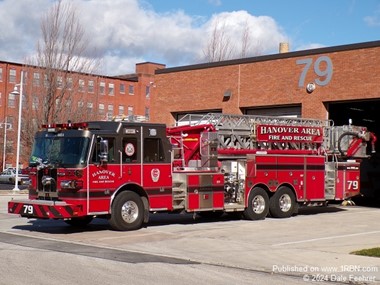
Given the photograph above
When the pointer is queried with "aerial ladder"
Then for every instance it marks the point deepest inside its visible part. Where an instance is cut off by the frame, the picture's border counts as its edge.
(244, 134)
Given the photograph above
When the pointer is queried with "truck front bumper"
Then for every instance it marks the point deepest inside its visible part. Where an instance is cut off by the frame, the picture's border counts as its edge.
(44, 209)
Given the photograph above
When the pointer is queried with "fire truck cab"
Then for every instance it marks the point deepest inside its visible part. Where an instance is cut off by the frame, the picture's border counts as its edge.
(124, 170)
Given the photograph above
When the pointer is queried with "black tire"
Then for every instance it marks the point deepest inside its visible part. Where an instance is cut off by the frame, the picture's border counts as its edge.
(127, 212)
(79, 222)
(258, 204)
(283, 203)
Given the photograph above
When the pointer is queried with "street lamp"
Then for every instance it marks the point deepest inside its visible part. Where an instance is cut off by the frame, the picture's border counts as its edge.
(15, 92)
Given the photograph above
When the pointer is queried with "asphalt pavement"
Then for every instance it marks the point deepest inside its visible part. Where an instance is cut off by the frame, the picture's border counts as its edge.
(315, 245)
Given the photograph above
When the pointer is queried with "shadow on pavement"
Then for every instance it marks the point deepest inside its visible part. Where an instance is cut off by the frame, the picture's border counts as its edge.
(156, 220)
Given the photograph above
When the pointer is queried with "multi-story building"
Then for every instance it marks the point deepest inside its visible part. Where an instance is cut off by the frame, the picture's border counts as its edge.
(95, 96)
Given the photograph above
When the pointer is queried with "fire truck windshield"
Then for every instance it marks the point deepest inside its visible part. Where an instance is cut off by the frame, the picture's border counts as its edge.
(60, 151)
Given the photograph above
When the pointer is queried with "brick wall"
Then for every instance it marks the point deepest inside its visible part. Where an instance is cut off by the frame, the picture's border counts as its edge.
(271, 81)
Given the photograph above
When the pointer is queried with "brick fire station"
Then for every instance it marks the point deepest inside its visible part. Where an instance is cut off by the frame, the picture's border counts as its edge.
(338, 83)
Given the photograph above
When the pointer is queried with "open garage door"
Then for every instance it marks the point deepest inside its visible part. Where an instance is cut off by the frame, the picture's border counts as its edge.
(363, 113)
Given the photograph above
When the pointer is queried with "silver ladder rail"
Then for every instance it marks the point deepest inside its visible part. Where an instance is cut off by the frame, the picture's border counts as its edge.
(239, 131)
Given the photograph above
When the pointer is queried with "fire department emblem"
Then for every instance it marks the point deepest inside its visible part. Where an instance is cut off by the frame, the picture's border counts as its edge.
(155, 174)
(129, 149)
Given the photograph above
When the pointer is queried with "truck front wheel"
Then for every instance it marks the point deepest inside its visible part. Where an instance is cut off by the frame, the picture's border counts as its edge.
(258, 204)
(127, 212)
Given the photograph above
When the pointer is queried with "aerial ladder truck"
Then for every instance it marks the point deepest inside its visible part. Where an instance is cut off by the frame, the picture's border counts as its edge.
(211, 164)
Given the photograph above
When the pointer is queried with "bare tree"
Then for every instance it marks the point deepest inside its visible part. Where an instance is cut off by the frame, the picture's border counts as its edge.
(219, 46)
(245, 40)
(56, 74)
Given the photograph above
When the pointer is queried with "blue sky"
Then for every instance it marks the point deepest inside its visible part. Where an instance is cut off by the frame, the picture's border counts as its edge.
(177, 32)
(305, 22)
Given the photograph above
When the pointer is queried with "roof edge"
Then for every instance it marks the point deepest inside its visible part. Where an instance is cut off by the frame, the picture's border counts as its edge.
(271, 57)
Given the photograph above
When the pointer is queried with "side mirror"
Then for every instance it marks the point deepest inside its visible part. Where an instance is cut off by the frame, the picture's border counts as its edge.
(103, 153)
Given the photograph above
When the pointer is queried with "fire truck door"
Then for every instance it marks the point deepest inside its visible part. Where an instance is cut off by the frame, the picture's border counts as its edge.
(103, 177)
(157, 179)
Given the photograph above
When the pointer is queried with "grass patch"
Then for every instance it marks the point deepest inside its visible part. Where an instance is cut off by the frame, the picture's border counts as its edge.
(374, 252)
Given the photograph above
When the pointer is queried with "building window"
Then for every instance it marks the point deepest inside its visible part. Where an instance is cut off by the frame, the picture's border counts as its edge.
(1, 74)
(46, 81)
(111, 88)
(130, 110)
(147, 91)
(68, 103)
(91, 86)
(102, 88)
(101, 109)
(59, 82)
(81, 85)
(122, 88)
(12, 76)
(80, 104)
(110, 110)
(35, 102)
(69, 83)
(36, 79)
(131, 90)
(89, 108)
(147, 113)
(121, 110)
(11, 100)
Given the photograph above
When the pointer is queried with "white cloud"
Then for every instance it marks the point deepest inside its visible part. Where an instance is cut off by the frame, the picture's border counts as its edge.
(125, 32)
(372, 21)
(264, 35)
(310, 46)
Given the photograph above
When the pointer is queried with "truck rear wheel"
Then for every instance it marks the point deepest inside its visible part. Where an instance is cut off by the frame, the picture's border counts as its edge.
(282, 203)
(127, 212)
(258, 204)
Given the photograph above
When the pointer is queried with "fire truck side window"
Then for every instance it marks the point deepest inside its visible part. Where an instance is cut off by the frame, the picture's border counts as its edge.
(130, 150)
(153, 150)
(111, 150)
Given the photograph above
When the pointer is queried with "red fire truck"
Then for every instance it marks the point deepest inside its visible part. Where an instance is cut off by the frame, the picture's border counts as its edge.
(212, 164)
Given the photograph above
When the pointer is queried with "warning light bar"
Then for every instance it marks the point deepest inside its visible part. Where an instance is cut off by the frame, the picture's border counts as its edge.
(65, 126)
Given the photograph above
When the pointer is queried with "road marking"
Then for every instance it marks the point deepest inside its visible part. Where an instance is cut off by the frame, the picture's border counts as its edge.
(325, 238)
